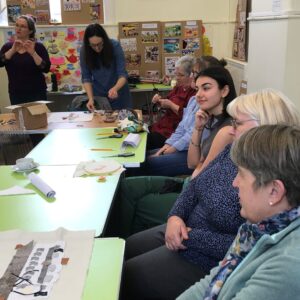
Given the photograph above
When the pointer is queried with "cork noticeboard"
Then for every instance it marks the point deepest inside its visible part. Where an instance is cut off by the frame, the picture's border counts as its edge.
(72, 11)
(152, 48)
(142, 48)
(82, 12)
(180, 38)
(38, 8)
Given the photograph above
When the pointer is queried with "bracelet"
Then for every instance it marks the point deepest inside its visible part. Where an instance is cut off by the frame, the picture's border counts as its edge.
(194, 144)
(198, 128)
(33, 53)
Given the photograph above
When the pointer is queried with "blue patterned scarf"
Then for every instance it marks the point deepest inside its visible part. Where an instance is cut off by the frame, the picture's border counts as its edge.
(247, 237)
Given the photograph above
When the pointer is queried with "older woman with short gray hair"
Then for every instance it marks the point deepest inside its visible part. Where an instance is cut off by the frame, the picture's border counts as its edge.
(263, 261)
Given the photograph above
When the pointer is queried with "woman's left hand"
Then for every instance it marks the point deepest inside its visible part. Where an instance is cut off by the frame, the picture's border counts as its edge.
(112, 93)
(165, 103)
(29, 46)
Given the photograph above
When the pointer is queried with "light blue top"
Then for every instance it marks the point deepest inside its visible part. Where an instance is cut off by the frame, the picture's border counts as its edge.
(270, 271)
(180, 139)
(103, 79)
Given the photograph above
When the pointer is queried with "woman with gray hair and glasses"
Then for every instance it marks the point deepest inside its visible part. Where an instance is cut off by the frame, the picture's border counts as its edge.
(263, 261)
(173, 104)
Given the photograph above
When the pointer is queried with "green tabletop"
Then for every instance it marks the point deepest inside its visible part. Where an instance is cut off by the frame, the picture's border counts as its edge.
(104, 275)
(80, 203)
(69, 147)
(148, 87)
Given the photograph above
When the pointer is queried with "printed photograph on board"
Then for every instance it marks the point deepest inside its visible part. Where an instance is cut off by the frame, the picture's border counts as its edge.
(151, 54)
(132, 59)
(149, 36)
(130, 29)
(128, 44)
(191, 31)
(170, 65)
(172, 29)
(171, 46)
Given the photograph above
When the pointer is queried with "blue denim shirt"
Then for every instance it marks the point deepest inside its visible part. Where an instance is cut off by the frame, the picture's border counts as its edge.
(180, 139)
(103, 79)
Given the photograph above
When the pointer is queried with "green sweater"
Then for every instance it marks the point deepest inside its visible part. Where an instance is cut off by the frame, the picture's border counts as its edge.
(271, 271)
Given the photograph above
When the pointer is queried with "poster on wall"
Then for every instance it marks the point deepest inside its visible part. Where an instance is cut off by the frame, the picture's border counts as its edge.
(240, 32)
(63, 45)
(71, 5)
(13, 12)
(170, 65)
(95, 12)
(28, 4)
(172, 30)
(129, 44)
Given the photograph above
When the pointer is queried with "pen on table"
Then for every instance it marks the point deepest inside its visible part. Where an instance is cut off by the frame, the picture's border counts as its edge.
(101, 149)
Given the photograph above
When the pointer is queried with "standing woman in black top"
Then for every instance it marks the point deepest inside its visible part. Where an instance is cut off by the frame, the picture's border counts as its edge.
(25, 61)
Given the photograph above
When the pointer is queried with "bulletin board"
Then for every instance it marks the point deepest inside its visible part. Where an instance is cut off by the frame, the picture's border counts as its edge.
(38, 8)
(72, 11)
(152, 48)
(82, 11)
(240, 38)
(142, 48)
(180, 38)
(63, 44)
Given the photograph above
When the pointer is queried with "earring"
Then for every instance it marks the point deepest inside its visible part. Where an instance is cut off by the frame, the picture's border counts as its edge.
(271, 203)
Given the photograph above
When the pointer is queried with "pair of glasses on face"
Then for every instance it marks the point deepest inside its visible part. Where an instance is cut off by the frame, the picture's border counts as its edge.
(21, 26)
(235, 123)
(97, 46)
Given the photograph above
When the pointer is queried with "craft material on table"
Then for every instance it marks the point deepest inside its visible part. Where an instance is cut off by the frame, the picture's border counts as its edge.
(113, 136)
(103, 167)
(16, 190)
(125, 154)
(70, 117)
(101, 149)
(133, 140)
(72, 276)
(41, 185)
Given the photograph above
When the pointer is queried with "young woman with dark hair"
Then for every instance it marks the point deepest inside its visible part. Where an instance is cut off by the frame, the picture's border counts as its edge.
(103, 70)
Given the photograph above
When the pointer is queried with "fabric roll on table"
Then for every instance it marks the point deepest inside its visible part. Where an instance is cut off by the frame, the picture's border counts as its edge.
(40, 184)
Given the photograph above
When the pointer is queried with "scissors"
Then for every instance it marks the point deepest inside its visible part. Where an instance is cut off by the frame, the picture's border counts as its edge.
(126, 154)
(113, 136)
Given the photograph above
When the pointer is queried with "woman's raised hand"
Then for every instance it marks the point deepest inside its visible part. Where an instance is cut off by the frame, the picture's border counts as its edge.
(201, 118)
(156, 98)
(17, 45)
(29, 46)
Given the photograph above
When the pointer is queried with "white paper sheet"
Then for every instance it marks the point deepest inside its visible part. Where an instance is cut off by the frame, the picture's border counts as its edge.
(69, 117)
(16, 190)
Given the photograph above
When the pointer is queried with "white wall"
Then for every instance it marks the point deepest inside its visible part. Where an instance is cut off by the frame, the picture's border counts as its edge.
(274, 48)
(218, 17)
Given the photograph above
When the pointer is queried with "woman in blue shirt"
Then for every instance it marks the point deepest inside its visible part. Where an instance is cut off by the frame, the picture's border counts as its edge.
(103, 70)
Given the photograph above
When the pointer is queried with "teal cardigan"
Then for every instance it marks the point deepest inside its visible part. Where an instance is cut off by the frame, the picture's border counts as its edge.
(271, 271)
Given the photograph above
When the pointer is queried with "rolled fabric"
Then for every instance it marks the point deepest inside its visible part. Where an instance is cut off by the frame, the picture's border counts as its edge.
(40, 184)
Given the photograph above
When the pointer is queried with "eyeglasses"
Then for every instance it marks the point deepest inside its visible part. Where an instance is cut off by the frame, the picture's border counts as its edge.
(235, 123)
(21, 26)
(179, 75)
(99, 45)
